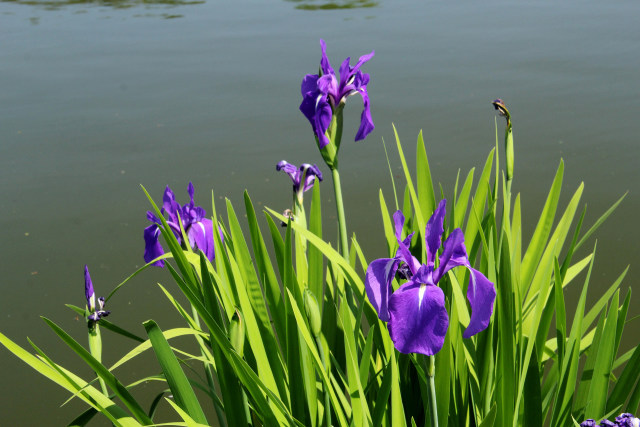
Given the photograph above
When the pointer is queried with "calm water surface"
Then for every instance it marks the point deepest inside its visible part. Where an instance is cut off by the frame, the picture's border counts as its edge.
(98, 98)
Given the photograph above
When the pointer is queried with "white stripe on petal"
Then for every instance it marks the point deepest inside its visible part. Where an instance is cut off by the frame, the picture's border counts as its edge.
(423, 289)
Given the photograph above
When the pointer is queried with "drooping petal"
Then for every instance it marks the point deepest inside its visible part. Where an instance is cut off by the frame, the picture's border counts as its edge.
(419, 320)
(309, 85)
(377, 284)
(200, 236)
(88, 290)
(481, 295)
(366, 122)
(291, 170)
(152, 247)
(317, 110)
(453, 255)
(434, 230)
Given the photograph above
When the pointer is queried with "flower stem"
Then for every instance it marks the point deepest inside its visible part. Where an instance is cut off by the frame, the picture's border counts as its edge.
(433, 406)
(342, 223)
(327, 402)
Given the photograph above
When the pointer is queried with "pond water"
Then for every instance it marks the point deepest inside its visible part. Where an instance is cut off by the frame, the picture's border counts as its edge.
(97, 98)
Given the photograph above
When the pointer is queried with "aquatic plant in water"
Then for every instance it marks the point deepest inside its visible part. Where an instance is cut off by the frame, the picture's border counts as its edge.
(302, 340)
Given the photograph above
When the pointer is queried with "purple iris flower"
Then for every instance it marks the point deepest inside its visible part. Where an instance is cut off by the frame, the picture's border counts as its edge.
(416, 313)
(303, 177)
(589, 423)
(607, 423)
(322, 93)
(199, 229)
(627, 420)
(96, 312)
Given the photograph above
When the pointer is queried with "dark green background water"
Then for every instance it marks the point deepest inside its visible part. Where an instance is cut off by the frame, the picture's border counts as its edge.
(98, 98)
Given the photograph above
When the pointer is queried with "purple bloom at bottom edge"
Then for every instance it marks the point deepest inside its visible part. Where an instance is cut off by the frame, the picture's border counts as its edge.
(588, 423)
(627, 420)
(416, 313)
(95, 313)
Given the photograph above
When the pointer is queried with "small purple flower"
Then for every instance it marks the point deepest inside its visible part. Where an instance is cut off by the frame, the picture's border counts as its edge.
(589, 423)
(95, 313)
(607, 423)
(303, 177)
(322, 93)
(198, 228)
(417, 317)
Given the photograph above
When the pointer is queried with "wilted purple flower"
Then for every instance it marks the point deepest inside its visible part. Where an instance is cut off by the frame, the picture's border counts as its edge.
(198, 228)
(607, 423)
(322, 93)
(588, 423)
(95, 312)
(303, 177)
(416, 313)
(499, 105)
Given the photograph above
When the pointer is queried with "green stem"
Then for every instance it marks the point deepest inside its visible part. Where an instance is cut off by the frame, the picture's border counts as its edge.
(95, 347)
(327, 402)
(342, 223)
(433, 406)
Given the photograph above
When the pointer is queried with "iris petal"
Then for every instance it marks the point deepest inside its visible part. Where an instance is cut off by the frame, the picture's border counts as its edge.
(200, 236)
(366, 122)
(419, 320)
(453, 255)
(88, 290)
(152, 247)
(481, 295)
(377, 284)
(434, 230)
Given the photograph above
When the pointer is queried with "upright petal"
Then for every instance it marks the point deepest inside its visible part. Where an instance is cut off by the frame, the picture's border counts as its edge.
(481, 295)
(453, 255)
(403, 246)
(88, 290)
(325, 66)
(398, 222)
(310, 173)
(191, 191)
(434, 230)
(362, 60)
(377, 284)
(152, 247)
(200, 236)
(169, 204)
(419, 320)
(328, 85)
